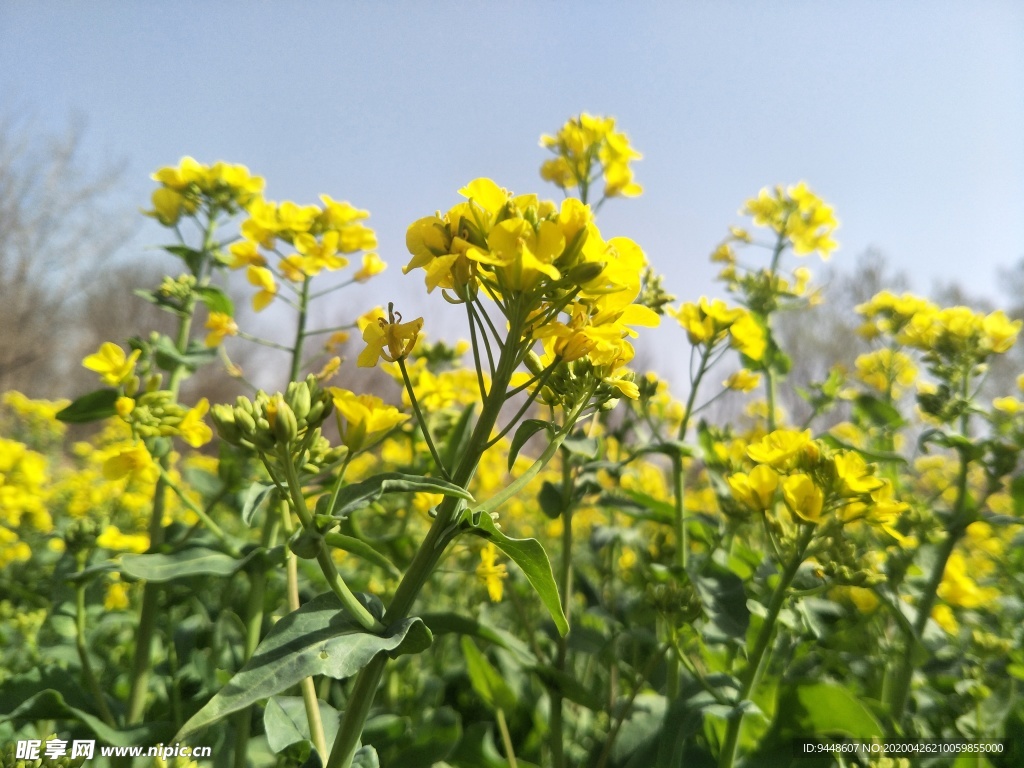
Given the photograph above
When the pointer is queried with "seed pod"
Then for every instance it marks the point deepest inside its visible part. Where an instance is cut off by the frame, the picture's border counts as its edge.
(585, 272)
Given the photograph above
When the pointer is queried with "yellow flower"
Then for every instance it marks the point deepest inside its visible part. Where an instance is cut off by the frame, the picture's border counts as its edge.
(854, 475)
(390, 339)
(192, 429)
(220, 324)
(743, 380)
(491, 573)
(366, 417)
(263, 279)
(748, 337)
(111, 363)
(134, 461)
(116, 598)
(781, 448)
(1009, 405)
(372, 265)
(756, 490)
(114, 539)
(803, 497)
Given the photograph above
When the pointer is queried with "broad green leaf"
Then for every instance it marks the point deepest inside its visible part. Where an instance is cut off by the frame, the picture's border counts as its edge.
(50, 705)
(456, 623)
(825, 709)
(724, 599)
(570, 687)
(216, 300)
(253, 499)
(317, 639)
(91, 407)
(551, 501)
(198, 561)
(362, 494)
(365, 757)
(524, 432)
(530, 556)
(362, 549)
(584, 447)
(286, 723)
(485, 679)
(433, 742)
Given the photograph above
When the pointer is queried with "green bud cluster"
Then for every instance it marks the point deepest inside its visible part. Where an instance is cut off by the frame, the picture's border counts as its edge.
(9, 759)
(156, 414)
(278, 419)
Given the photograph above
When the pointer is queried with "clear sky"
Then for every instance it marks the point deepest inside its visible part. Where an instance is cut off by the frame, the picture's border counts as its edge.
(908, 117)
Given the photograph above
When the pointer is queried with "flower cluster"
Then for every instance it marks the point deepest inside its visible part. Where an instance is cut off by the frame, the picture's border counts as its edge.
(186, 189)
(587, 148)
(814, 482)
(304, 240)
(546, 267)
(953, 334)
(797, 215)
(709, 323)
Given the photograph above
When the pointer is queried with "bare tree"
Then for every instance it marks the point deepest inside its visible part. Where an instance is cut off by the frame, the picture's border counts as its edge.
(60, 222)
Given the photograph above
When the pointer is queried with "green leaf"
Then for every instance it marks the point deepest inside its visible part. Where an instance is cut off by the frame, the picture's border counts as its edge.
(485, 679)
(253, 499)
(317, 639)
(170, 358)
(50, 705)
(458, 437)
(365, 757)
(198, 561)
(551, 501)
(877, 411)
(570, 687)
(285, 722)
(825, 709)
(92, 407)
(362, 549)
(641, 506)
(455, 623)
(584, 447)
(530, 556)
(193, 259)
(724, 600)
(362, 494)
(524, 432)
(215, 299)
(434, 740)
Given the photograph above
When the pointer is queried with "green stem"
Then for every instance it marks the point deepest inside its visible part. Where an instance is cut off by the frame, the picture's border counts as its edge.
(355, 609)
(83, 655)
(254, 610)
(300, 332)
(438, 536)
(757, 660)
(506, 738)
(422, 419)
(565, 591)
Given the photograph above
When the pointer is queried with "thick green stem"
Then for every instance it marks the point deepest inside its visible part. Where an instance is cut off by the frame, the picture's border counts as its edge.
(565, 592)
(439, 535)
(757, 660)
(300, 332)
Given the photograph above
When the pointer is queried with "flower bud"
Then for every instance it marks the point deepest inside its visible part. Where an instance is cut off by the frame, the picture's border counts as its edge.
(282, 419)
(224, 420)
(298, 399)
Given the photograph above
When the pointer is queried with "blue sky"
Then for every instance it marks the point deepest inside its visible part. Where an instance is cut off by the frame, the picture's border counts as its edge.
(908, 117)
